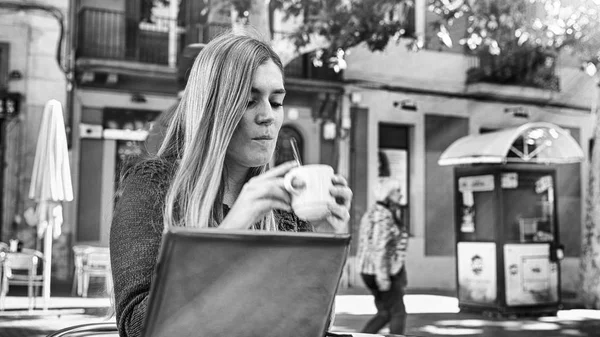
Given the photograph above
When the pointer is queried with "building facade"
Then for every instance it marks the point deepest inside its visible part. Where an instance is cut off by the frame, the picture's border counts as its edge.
(129, 69)
(33, 67)
(412, 106)
(125, 58)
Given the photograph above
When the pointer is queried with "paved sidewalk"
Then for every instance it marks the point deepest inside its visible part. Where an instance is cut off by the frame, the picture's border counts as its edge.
(436, 313)
(431, 313)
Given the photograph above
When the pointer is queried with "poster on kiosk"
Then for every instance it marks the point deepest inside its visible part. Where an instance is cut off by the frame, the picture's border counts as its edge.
(506, 224)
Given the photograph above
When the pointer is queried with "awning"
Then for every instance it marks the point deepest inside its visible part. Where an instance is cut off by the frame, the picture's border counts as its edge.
(542, 143)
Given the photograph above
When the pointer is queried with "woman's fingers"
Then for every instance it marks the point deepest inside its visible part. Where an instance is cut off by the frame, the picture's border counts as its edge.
(339, 180)
(271, 189)
(342, 194)
(278, 171)
(337, 225)
(277, 191)
(339, 212)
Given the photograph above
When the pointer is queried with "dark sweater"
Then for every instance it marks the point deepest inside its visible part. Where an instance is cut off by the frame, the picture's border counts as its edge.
(135, 238)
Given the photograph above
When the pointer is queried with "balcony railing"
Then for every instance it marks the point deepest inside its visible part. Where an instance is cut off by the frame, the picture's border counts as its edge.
(524, 66)
(108, 34)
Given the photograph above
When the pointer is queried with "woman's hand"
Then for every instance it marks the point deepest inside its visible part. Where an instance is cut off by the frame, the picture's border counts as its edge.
(259, 195)
(339, 211)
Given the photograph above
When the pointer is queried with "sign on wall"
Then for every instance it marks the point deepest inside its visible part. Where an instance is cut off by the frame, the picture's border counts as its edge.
(477, 272)
(476, 183)
(531, 278)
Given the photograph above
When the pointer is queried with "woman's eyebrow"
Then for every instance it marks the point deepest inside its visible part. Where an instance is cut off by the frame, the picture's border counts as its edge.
(274, 92)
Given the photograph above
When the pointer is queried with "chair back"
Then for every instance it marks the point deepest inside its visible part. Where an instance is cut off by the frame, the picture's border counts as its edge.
(25, 261)
(21, 261)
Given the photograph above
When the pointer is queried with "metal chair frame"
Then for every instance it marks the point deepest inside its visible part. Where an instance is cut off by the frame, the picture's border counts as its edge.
(90, 329)
(26, 260)
(90, 262)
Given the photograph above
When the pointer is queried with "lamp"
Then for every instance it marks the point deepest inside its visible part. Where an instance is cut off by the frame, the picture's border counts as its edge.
(355, 97)
(10, 103)
(517, 111)
(15, 75)
(406, 104)
(136, 97)
(329, 130)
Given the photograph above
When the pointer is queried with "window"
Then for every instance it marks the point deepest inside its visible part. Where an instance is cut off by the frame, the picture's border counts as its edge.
(394, 157)
(3, 66)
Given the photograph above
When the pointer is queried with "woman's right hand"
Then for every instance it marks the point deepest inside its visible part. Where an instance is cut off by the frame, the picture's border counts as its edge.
(259, 195)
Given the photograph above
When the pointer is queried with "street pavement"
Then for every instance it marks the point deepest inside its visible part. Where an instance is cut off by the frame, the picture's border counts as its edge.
(431, 313)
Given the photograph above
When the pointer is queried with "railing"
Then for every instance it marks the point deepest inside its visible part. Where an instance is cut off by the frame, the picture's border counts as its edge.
(108, 34)
(523, 66)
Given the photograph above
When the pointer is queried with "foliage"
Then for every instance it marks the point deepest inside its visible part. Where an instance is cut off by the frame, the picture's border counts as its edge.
(494, 26)
(348, 23)
(551, 24)
(524, 66)
(522, 36)
(344, 24)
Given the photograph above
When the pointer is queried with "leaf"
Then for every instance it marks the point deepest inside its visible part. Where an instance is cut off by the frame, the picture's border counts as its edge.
(445, 36)
(590, 69)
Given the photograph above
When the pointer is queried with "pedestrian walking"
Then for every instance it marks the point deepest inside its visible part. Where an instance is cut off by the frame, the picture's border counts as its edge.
(382, 252)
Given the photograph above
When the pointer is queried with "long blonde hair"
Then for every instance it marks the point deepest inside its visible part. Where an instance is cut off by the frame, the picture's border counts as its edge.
(213, 103)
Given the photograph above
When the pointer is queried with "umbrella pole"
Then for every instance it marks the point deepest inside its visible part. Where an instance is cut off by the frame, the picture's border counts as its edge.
(47, 261)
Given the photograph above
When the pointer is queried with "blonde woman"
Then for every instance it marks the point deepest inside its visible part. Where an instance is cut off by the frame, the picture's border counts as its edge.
(381, 255)
(211, 169)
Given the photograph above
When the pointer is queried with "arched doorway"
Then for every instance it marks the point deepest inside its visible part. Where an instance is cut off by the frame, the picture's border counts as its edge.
(284, 152)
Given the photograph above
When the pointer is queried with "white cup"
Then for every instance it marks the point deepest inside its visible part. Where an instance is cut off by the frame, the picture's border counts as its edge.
(310, 202)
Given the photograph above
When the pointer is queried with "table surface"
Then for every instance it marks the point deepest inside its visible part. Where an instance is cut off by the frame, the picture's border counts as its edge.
(358, 334)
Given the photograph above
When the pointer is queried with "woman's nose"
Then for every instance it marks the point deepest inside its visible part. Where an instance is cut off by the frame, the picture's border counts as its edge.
(265, 114)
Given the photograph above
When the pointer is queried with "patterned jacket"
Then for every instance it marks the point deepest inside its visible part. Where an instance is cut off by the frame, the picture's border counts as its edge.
(382, 245)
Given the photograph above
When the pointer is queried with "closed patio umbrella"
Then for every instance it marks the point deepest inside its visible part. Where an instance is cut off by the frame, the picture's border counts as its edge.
(50, 182)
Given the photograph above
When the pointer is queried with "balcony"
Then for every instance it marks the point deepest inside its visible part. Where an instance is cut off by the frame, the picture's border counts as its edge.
(524, 66)
(520, 74)
(109, 41)
(110, 35)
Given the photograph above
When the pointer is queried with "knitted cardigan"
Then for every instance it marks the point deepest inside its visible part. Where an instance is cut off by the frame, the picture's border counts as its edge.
(135, 238)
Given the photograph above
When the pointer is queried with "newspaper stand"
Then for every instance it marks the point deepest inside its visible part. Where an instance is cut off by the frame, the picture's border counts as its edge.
(508, 248)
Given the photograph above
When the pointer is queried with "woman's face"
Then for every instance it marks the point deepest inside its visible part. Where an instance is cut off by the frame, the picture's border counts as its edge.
(254, 139)
(395, 195)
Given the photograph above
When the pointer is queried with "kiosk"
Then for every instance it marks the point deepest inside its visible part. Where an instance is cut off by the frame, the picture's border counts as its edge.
(507, 240)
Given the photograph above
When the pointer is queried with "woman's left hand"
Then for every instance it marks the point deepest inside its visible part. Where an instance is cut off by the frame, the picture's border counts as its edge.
(339, 210)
